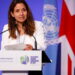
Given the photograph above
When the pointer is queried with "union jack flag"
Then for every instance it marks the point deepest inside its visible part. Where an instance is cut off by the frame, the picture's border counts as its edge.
(67, 37)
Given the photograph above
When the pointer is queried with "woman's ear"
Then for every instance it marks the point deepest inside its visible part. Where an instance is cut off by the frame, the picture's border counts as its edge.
(12, 14)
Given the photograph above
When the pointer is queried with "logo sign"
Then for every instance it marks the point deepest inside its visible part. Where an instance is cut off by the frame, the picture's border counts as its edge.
(50, 22)
(20, 60)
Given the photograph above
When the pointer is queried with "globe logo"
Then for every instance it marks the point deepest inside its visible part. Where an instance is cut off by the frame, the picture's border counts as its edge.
(24, 59)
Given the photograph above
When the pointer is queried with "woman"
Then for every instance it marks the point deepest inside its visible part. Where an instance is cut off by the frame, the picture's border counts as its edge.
(22, 28)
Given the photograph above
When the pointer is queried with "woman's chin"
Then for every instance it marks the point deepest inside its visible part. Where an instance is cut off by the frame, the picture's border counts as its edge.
(21, 21)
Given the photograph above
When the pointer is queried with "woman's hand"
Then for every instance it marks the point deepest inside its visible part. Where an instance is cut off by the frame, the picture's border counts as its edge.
(28, 47)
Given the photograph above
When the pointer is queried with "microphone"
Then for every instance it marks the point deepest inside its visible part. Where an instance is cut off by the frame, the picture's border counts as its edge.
(45, 58)
(4, 31)
(35, 43)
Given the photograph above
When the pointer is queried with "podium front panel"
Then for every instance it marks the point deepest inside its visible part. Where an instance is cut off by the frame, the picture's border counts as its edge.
(20, 60)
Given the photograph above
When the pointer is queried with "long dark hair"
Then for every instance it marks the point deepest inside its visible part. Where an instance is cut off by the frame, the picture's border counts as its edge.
(28, 24)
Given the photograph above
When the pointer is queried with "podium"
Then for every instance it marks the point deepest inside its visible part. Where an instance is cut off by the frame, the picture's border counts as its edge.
(30, 62)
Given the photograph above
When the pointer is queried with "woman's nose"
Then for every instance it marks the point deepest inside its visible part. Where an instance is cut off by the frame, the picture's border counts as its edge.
(21, 13)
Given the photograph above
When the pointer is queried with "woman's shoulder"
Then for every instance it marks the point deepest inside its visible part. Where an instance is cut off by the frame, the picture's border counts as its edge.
(38, 23)
(5, 27)
(5, 30)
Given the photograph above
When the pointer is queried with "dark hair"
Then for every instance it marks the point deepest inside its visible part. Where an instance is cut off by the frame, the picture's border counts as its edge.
(28, 24)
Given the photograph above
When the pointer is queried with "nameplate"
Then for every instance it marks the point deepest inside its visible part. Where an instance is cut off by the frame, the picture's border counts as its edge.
(20, 60)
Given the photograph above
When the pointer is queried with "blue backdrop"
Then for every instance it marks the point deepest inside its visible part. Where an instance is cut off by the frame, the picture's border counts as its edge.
(37, 10)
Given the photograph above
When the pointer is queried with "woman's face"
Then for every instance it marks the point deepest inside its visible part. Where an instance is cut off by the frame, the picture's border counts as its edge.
(20, 13)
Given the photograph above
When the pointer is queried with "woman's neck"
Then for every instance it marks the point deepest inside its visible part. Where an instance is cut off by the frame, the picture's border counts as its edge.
(20, 29)
(20, 25)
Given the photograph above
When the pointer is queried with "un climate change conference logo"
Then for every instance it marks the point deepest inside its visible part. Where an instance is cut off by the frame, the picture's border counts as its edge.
(50, 22)
(24, 59)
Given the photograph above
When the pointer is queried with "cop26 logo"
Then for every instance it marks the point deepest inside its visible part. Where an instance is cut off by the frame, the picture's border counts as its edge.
(24, 59)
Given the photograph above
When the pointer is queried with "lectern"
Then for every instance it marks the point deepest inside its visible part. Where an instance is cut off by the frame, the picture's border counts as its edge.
(20, 62)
